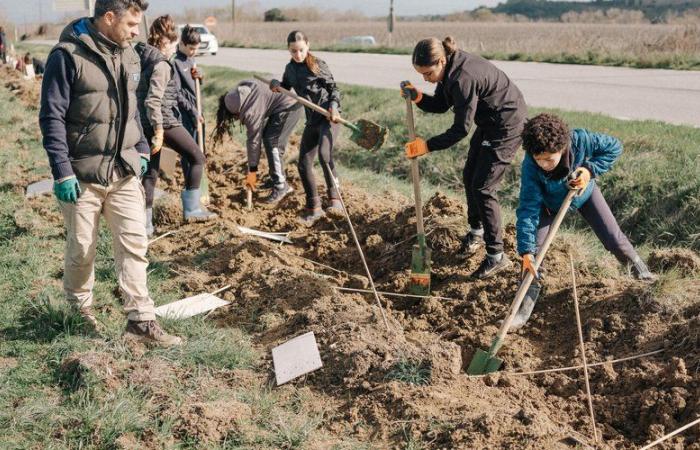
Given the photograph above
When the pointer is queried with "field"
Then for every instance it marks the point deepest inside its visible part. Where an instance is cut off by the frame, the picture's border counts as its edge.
(636, 45)
(404, 388)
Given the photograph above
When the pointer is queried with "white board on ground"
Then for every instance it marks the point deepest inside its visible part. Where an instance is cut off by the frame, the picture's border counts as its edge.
(296, 357)
(280, 237)
(190, 306)
(39, 188)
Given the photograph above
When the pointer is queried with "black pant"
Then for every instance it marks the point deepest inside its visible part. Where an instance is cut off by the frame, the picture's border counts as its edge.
(597, 214)
(275, 136)
(486, 163)
(181, 141)
(317, 138)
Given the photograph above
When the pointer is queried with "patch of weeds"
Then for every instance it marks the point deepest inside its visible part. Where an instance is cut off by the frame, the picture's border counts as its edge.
(411, 372)
(291, 433)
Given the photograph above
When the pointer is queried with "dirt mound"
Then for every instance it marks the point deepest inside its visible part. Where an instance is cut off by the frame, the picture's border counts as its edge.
(409, 381)
(27, 91)
(686, 261)
(90, 368)
(211, 422)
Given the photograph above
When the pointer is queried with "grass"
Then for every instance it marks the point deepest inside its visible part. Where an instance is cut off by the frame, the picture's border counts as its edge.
(411, 372)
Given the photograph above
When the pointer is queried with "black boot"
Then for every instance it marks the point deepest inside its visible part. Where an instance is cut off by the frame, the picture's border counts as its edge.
(526, 307)
(637, 269)
(470, 244)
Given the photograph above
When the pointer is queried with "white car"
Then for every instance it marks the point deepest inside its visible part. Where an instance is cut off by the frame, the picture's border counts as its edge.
(209, 44)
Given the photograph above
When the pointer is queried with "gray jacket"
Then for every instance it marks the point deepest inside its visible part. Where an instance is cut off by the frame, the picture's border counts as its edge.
(254, 102)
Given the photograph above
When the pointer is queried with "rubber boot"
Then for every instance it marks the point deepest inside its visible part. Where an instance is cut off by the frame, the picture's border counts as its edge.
(192, 208)
(637, 269)
(526, 307)
(335, 207)
(149, 222)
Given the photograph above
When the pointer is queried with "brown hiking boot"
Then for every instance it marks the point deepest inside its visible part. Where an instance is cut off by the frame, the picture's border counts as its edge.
(149, 332)
(88, 316)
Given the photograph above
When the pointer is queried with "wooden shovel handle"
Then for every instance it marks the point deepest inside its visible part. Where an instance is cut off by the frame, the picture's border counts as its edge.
(305, 102)
(415, 171)
(525, 284)
(200, 129)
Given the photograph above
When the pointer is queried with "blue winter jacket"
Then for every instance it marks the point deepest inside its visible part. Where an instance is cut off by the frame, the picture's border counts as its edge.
(594, 151)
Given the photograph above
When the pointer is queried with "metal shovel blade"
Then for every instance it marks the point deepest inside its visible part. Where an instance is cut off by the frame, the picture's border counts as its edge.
(420, 270)
(483, 363)
(368, 134)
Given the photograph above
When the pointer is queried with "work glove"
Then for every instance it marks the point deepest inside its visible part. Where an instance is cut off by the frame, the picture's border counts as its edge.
(580, 178)
(410, 91)
(251, 181)
(157, 141)
(334, 115)
(529, 266)
(144, 165)
(416, 148)
(275, 85)
(67, 190)
(197, 73)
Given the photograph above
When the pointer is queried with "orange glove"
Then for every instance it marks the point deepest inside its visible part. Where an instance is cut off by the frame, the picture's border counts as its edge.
(251, 181)
(157, 141)
(196, 72)
(580, 178)
(416, 148)
(410, 91)
(529, 266)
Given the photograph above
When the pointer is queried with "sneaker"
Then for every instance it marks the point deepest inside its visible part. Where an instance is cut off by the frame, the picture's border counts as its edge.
(491, 265)
(278, 194)
(637, 269)
(335, 208)
(311, 215)
(470, 244)
(149, 332)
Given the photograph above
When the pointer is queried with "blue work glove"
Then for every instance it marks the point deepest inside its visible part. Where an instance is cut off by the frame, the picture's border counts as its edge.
(144, 166)
(67, 190)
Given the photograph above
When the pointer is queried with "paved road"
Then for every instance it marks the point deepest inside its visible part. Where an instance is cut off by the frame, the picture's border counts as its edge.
(665, 95)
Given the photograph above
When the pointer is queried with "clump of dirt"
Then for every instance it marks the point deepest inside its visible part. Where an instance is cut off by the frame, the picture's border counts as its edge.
(90, 369)
(685, 260)
(28, 91)
(211, 422)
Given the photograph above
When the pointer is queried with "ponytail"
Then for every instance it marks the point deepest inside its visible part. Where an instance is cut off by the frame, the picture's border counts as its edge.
(312, 63)
(428, 52)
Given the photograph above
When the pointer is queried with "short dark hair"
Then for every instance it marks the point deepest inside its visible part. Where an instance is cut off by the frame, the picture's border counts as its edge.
(118, 7)
(545, 133)
(190, 36)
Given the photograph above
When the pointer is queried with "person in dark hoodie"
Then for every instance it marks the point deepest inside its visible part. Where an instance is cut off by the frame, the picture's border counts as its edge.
(479, 93)
(97, 152)
(311, 79)
(157, 96)
(269, 118)
(558, 159)
(185, 74)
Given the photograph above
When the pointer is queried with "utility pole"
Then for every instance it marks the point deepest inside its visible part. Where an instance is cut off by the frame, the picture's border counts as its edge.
(233, 12)
(391, 21)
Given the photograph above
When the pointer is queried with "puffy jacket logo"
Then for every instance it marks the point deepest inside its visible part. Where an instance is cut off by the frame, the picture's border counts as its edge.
(136, 76)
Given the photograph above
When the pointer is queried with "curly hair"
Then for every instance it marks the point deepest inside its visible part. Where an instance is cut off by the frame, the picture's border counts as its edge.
(162, 28)
(545, 133)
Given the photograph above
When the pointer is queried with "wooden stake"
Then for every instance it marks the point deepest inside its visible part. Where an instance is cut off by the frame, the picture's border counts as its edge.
(670, 435)
(583, 351)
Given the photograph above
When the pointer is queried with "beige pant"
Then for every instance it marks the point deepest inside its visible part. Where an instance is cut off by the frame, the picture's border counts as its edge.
(123, 205)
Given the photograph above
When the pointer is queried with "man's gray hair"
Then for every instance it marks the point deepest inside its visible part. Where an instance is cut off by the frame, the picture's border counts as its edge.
(118, 7)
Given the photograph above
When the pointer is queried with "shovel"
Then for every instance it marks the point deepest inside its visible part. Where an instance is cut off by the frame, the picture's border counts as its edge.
(486, 361)
(204, 185)
(365, 133)
(420, 257)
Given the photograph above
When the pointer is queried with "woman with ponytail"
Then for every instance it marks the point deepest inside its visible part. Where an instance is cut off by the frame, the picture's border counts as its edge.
(310, 78)
(478, 92)
(269, 118)
(157, 99)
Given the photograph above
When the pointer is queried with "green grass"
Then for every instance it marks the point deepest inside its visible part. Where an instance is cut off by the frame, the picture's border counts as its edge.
(676, 61)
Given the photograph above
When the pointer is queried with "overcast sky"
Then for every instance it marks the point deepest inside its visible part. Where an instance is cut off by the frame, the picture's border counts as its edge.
(30, 10)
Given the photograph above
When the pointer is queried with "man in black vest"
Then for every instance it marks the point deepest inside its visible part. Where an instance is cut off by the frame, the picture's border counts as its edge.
(97, 153)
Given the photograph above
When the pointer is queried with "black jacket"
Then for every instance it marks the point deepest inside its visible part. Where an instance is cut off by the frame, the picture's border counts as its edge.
(479, 92)
(184, 83)
(318, 88)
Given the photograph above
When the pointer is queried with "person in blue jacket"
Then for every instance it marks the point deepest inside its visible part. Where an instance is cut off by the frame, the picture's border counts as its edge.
(556, 160)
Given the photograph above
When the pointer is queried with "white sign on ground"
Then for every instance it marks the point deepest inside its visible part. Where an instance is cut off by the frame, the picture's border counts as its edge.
(39, 188)
(190, 306)
(296, 357)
